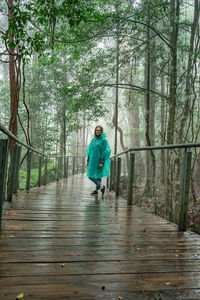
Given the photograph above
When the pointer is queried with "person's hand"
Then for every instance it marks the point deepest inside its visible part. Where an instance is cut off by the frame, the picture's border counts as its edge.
(100, 165)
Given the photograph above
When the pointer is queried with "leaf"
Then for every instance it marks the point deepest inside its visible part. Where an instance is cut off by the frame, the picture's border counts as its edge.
(168, 283)
(62, 265)
(97, 17)
(140, 221)
(20, 296)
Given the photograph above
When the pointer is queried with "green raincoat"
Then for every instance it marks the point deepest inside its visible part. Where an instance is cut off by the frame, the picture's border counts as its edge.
(98, 151)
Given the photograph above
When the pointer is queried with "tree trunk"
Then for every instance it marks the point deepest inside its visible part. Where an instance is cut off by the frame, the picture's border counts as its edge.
(13, 84)
(162, 121)
(64, 139)
(133, 117)
(121, 138)
(174, 26)
(150, 116)
(191, 60)
(13, 76)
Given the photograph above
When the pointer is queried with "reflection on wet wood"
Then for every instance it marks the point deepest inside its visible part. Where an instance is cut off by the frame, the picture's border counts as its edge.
(58, 242)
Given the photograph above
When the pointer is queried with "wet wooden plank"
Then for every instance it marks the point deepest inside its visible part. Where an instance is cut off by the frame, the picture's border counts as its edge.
(105, 287)
(58, 242)
(64, 267)
(82, 254)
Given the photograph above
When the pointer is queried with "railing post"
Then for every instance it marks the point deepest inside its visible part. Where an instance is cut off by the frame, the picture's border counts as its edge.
(73, 166)
(111, 175)
(131, 178)
(117, 190)
(17, 167)
(67, 168)
(57, 168)
(77, 166)
(28, 176)
(11, 173)
(3, 169)
(39, 171)
(185, 189)
(83, 165)
(107, 182)
(59, 164)
(45, 170)
(114, 173)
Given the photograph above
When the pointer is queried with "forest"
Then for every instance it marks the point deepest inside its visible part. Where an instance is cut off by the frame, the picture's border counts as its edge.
(131, 66)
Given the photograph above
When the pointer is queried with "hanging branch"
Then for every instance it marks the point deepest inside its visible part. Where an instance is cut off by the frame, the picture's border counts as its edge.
(24, 102)
(27, 135)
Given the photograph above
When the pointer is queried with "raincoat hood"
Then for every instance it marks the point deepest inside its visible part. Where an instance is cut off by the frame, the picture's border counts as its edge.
(103, 136)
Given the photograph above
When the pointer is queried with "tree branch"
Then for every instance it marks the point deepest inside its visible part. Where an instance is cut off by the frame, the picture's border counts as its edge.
(135, 87)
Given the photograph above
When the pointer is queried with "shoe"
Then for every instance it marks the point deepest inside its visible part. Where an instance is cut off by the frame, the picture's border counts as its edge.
(103, 190)
(94, 193)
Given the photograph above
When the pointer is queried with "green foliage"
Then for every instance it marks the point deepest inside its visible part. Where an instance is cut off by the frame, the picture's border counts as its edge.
(36, 25)
(72, 50)
(4, 103)
(22, 178)
(51, 170)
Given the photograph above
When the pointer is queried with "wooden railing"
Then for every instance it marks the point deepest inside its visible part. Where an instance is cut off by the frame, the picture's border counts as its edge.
(115, 177)
(60, 166)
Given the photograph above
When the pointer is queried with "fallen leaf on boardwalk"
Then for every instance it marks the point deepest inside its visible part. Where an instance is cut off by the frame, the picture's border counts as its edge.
(138, 249)
(177, 255)
(140, 221)
(120, 298)
(144, 230)
(11, 236)
(137, 282)
(168, 283)
(20, 296)
(62, 265)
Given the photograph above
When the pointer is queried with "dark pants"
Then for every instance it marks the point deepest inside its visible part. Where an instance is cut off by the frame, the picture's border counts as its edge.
(97, 181)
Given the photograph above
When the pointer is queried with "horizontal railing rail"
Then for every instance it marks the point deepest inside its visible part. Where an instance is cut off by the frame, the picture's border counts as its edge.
(161, 147)
(12, 136)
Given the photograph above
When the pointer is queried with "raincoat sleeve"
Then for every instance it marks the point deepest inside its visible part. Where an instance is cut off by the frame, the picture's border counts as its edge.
(105, 153)
(88, 150)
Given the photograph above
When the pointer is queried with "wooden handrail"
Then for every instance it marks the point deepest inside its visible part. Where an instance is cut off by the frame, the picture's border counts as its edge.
(161, 147)
(12, 136)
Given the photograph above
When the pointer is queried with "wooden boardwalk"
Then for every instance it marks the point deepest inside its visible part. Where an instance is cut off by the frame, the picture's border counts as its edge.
(58, 242)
